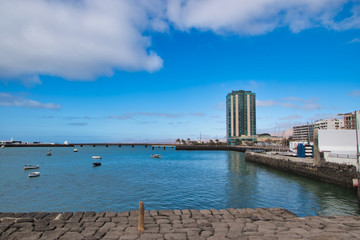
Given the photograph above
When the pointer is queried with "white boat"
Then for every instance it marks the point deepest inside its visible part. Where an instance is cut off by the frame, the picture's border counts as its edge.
(48, 154)
(34, 174)
(2, 146)
(75, 150)
(26, 167)
(96, 157)
(156, 155)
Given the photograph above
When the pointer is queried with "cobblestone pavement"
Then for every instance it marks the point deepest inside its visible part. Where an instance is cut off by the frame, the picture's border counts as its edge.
(260, 223)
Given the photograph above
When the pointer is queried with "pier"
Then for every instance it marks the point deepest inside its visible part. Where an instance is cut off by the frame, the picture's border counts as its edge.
(209, 224)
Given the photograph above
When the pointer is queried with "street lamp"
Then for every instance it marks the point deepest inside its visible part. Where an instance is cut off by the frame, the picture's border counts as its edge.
(357, 118)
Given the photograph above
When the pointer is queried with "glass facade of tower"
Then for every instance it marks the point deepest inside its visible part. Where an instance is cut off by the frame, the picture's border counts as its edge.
(240, 117)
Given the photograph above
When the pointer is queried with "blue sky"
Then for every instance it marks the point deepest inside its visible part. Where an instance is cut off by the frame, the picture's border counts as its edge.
(140, 71)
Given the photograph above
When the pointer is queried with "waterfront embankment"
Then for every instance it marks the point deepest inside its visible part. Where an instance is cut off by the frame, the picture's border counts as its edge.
(224, 148)
(261, 223)
(339, 174)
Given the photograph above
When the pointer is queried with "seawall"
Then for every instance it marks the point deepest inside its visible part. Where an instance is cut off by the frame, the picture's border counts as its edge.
(212, 224)
(339, 174)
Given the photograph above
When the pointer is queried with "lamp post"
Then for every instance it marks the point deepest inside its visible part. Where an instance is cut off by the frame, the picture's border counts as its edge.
(357, 118)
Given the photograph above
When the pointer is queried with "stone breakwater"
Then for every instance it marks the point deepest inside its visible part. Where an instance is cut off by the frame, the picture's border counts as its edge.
(339, 174)
(260, 223)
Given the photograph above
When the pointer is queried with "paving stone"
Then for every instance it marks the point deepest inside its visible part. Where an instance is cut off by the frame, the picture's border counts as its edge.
(205, 212)
(89, 231)
(113, 235)
(107, 226)
(66, 215)
(40, 215)
(147, 236)
(186, 212)
(103, 219)
(177, 212)
(55, 234)
(162, 221)
(110, 214)
(26, 219)
(26, 235)
(175, 236)
(165, 212)
(191, 224)
(71, 236)
(129, 237)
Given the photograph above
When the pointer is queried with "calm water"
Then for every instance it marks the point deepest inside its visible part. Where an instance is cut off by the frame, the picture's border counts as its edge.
(179, 180)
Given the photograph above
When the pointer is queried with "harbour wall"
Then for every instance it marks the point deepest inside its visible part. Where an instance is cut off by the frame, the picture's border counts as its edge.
(223, 148)
(334, 173)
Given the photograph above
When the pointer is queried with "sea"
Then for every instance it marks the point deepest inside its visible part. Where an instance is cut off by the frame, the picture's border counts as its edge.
(178, 180)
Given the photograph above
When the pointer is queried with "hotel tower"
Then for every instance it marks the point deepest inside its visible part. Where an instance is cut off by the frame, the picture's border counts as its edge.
(240, 117)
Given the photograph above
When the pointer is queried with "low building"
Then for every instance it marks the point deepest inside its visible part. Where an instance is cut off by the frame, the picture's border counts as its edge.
(333, 124)
(303, 133)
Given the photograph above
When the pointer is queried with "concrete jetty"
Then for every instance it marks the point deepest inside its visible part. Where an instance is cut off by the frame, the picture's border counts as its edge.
(260, 223)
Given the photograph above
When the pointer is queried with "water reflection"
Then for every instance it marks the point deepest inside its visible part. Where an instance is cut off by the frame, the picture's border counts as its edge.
(252, 185)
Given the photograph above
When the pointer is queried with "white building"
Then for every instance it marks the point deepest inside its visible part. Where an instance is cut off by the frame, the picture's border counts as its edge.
(332, 124)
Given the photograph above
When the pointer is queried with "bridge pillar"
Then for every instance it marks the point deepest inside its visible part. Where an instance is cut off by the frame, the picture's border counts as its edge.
(107, 145)
(145, 146)
(132, 146)
(119, 145)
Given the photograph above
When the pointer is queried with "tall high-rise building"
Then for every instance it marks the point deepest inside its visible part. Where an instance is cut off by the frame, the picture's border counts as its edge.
(240, 117)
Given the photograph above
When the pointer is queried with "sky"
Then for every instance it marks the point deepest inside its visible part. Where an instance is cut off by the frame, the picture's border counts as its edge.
(158, 70)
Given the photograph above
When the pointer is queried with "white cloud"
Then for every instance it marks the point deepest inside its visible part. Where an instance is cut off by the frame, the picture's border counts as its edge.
(84, 39)
(355, 40)
(266, 103)
(9, 100)
(258, 16)
(77, 40)
(127, 116)
(291, 117)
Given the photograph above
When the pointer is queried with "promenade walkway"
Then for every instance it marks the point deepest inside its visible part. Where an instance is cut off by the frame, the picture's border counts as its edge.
(272, 223)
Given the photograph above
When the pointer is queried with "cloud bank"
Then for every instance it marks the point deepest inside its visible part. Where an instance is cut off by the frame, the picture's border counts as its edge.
(7, 100)
(76, 40)
(292, 102)
(85, 39)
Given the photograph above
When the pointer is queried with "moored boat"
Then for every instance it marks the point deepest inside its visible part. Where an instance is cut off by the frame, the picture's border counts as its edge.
(34, 174)
(48, 154)
(26, 167)
(96, 164)
(75, 150)
(156, 155)
(96, 157)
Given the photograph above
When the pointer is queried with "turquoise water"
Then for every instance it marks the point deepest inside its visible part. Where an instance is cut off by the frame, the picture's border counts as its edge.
(179, 180)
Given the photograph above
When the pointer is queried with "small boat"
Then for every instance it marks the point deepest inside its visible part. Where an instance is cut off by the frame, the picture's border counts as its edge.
(49, 149)
(34, 174)
(96, 164)
(75, 150)
(26, 167)
(2, 146)
(48, 154)
(96, 157)
(156, 155)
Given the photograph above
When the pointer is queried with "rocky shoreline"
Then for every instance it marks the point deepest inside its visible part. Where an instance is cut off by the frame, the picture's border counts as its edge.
(259, 223)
